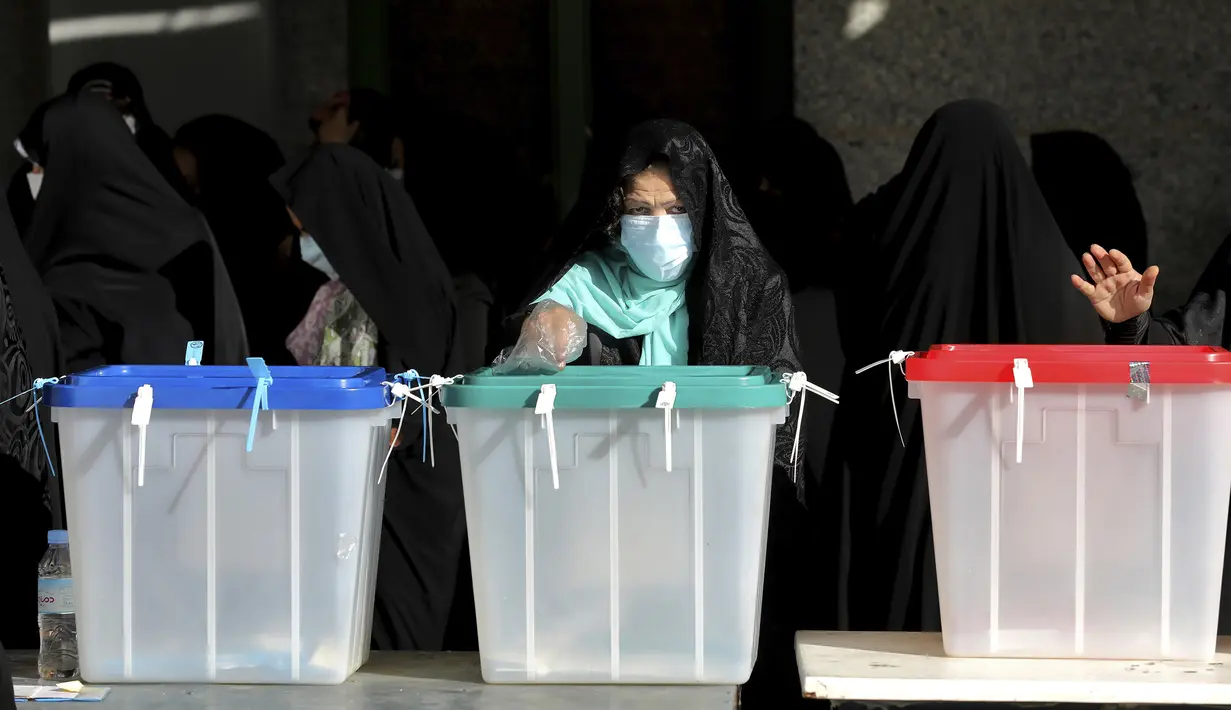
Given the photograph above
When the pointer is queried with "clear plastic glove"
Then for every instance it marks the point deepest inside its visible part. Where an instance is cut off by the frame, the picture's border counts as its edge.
(552, 337)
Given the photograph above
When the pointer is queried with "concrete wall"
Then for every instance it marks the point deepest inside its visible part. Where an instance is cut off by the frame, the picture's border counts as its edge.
(269, 66)
(23, 71)
(1150, 76)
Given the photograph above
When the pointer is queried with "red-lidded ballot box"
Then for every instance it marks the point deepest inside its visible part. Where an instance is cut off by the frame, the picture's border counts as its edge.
(1079, 497)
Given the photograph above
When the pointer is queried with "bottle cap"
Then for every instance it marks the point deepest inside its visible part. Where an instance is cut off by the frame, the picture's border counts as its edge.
(57, 537)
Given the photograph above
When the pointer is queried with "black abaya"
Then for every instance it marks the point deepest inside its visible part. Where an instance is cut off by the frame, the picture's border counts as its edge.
(740, 313)
(6, 683)
(248, 217)
(958, 248)
(131, 268)
(28, 350)
(367, 225)
(118, 83)
(802, 198)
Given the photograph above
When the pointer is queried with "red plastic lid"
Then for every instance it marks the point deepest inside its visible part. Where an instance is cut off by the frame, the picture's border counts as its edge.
(1072, 364)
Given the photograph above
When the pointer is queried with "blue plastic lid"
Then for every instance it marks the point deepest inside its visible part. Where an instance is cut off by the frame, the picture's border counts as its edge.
(57, 537)
(218, 387)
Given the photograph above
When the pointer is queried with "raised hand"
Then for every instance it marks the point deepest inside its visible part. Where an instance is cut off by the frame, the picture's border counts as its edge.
(1115, 289)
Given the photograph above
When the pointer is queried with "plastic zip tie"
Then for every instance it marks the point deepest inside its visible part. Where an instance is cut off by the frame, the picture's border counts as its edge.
(142, 408)
(666, 402)
(1023, 380)
(399, 389)
(544, 406)
(194, 353)
(39, 384)
(896, 357)
(798, 384)
(393, 439)
(260, 400)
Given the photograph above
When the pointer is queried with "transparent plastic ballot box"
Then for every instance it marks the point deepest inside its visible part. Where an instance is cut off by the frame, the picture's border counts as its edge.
(1079, 497)
(617, 520)
(198, 560)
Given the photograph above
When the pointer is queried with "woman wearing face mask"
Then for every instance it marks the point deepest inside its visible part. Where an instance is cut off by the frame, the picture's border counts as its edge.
(388, 302)
(662, 268)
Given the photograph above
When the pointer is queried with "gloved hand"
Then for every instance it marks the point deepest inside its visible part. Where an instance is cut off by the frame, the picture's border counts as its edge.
(552, 337)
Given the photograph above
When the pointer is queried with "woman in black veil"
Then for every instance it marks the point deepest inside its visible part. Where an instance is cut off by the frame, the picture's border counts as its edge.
(722, 302)
(363, 231)
(957, 248)
(131, 267)
(227, 164)
(118, 85)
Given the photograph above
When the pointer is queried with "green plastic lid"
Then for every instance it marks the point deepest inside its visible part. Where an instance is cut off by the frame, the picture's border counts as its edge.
(623, 387)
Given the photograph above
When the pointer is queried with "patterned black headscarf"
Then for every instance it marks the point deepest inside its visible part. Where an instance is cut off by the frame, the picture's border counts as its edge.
(740, 310)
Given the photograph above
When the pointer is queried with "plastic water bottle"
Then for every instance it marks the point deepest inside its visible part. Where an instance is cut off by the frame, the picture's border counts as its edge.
(57, 618)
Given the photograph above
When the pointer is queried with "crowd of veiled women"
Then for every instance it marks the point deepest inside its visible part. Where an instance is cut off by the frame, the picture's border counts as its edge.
(125, 242)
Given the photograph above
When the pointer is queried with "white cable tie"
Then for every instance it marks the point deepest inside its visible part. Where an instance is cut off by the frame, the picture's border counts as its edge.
(896, 357)
(142, 408)
(544, 406)
(666, 402)
(797, 383)
(1023, 380)
(393, 440)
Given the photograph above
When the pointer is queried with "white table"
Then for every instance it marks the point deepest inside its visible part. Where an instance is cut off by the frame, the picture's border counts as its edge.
(913, 668)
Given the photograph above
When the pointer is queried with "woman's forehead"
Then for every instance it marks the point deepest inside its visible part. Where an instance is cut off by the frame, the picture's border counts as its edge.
(654, 179)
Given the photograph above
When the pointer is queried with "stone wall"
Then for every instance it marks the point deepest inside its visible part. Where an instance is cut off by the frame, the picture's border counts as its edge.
(1150, 76)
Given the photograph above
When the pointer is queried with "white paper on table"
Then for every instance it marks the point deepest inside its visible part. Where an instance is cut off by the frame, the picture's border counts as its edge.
(64, 692)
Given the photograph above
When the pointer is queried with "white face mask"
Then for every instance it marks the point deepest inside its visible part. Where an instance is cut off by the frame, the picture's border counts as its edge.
(312, 255)
(396, 173)
(132, 123)
(660, 247)
(36, 183)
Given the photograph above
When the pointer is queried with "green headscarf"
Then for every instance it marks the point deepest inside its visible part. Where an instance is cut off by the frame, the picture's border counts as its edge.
(608, 293)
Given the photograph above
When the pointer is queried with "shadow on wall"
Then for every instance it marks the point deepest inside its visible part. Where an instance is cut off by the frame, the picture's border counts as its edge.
(1090, 192)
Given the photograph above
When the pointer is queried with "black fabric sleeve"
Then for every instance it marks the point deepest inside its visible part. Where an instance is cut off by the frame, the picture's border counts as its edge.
(1131, 332)
(1200, 322)
(6, 683)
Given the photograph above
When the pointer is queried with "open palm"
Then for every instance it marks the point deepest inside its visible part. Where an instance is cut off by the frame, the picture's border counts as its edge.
(1115, 289)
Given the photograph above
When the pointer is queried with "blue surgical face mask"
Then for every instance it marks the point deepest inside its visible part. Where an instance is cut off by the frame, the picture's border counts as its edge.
(312, 255)
(660, 247)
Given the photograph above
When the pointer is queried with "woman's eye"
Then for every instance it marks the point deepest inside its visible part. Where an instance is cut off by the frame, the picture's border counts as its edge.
(677, 209)
(637, 210)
